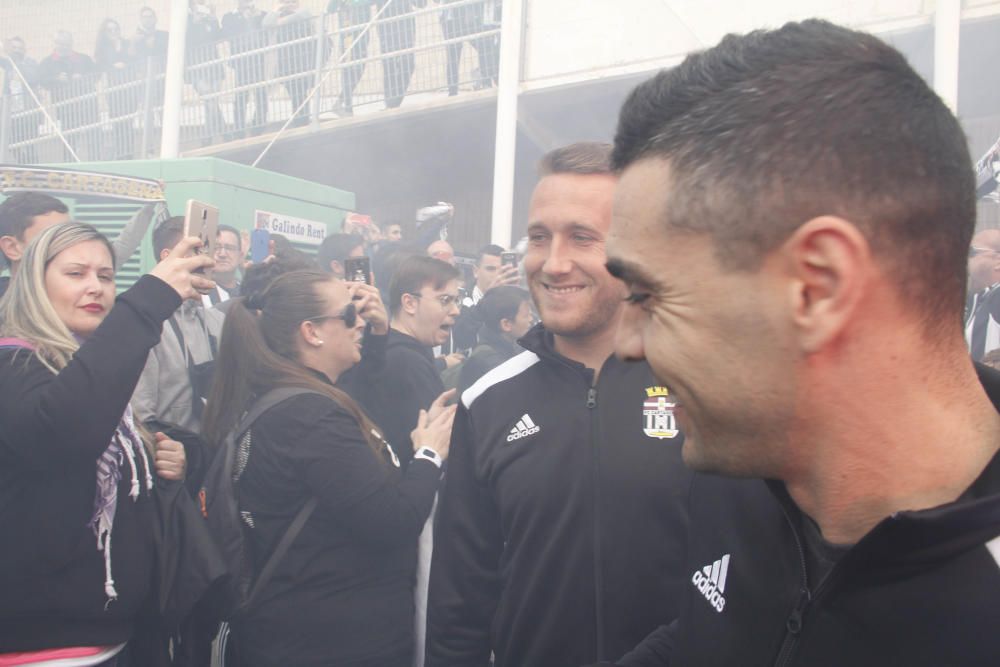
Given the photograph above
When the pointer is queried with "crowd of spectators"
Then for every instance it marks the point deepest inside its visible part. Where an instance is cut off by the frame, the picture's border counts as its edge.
(745, 428)
(261, 48)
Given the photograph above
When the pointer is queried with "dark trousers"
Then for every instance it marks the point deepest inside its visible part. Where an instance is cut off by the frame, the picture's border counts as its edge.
(242, 98)
(468, 21)
(397, 35)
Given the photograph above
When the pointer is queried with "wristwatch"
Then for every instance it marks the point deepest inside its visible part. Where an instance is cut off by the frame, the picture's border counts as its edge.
(430, 455)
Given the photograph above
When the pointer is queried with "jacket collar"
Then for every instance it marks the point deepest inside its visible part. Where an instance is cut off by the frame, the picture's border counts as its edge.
(399, 339)
(916, 539)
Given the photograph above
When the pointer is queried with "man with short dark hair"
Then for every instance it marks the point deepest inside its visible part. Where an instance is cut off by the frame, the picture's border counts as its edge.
(335, 249)
(792, 221)
(423, 303)
(177, 375)
(25, 215)
(559, 534)
(229, 253)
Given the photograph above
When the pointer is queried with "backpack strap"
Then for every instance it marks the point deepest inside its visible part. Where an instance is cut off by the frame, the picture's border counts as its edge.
(259, 407)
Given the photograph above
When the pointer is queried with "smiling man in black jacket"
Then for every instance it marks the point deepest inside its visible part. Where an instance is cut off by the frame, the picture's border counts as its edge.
(559, 537)
(793, 221)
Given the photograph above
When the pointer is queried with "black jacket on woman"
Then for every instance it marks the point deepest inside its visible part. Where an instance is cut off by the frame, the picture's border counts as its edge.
(343, 593)
(54, 430)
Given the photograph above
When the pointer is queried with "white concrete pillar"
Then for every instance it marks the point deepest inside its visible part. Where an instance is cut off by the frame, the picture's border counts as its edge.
(508, 87)
(947, 28)
(174, 91)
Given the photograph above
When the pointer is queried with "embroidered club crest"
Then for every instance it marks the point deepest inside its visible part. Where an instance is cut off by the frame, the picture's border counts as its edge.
(658, 414)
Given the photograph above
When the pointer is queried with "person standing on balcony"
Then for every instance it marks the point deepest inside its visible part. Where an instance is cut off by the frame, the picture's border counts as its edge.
(202, 67)
(71, 79)
(352, 16)
(397, 31)
(24, 119)
(245, 30)
(463, 21)
(115, 57)
(292, 26)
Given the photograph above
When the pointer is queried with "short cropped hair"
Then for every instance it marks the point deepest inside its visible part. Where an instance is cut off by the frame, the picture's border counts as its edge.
(167, 234)
(771, 129)
(500, 303)
(231, 230)
(415, 273)
(337, 248)
(492, 250)
(584, 157)
(18, 211)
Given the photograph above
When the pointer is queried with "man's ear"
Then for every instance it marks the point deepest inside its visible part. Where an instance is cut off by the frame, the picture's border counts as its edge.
(830, 264)
(11, 248)
(165, 253)
(506, 325)
(409, 304)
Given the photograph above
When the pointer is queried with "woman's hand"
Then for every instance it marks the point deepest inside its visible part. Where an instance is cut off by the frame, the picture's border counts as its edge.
(179, 269)
(368, 301)
(434, 433)
(169, 458)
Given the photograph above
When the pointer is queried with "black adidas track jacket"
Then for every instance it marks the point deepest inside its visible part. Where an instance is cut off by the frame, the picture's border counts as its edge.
(559, 532)
(921, 589)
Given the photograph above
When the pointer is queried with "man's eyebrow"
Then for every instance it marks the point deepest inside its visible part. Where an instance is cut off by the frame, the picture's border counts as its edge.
(624, 270)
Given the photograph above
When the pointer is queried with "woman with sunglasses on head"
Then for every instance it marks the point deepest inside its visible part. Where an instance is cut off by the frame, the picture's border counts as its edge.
(76, 479)
(343, 592)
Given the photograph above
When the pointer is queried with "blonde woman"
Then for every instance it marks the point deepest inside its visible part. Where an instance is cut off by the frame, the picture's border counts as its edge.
(75, 477)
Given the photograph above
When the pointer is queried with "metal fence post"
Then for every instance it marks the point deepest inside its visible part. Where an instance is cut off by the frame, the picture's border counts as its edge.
(4, 127)
(318, 76)
(147, 110)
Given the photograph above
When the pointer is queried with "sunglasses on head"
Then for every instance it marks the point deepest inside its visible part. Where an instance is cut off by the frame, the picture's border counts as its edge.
(349, 315)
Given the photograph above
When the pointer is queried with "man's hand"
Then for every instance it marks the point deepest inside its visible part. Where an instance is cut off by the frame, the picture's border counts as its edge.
(453, 359)
(506, 275)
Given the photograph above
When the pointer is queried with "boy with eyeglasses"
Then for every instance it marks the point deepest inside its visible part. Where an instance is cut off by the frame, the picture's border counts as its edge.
(423, 304)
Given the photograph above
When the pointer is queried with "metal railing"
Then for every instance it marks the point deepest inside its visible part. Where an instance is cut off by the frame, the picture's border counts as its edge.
(247, 76)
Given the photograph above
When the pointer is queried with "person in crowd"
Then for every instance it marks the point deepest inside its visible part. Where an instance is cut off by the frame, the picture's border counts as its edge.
(441, 250)
(115, 58)
(564, 511)
(150, 45)
(397, 31)
(353, 16)
(244, 28)
(394, 232)
(336, 248)
(175, 382)
(292, 26)
(469, 19)
(24, 215)
(488, 272)
(150, 42)
(20, 74)
(423, 303)
(71, 78)
(992, 359)
(229, 253)
(343, 593)
(202, 67)
(505, 314)
(76, 476)
(863, 530)
(982, 311)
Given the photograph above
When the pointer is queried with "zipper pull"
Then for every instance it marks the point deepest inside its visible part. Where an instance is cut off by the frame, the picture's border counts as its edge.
(592, 398)
(794, 622)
